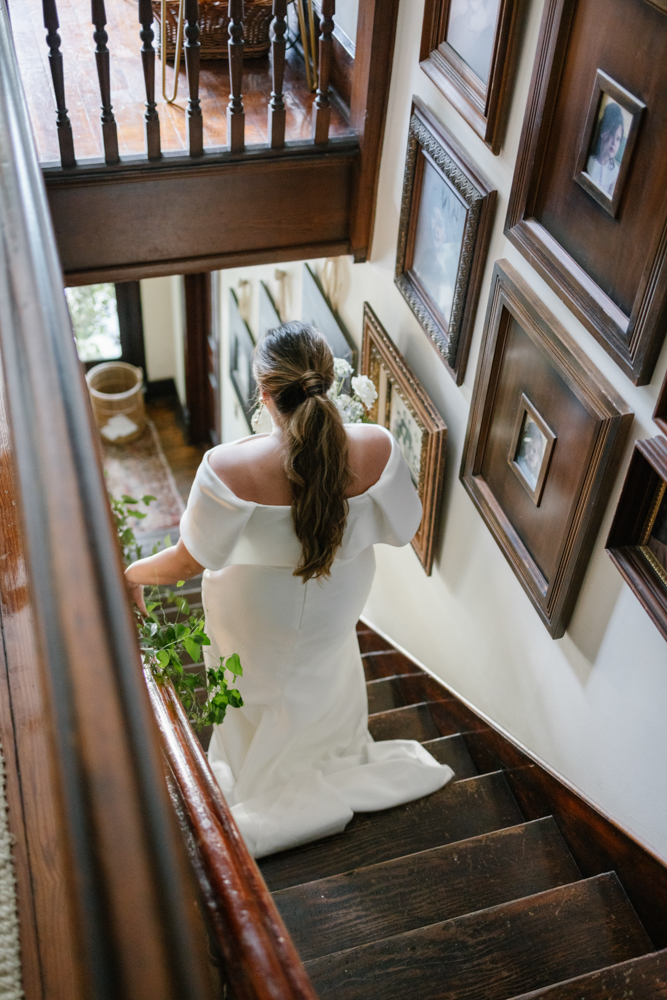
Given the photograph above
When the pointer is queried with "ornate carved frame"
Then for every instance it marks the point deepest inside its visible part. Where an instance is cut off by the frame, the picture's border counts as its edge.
(484, 106)
(572, 501)
(637, 506)
(428, 139)
(378, 352)
(634, 339)
(660, 412)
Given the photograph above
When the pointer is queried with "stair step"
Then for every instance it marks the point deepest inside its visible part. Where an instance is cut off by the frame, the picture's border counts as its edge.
(386, 663)
(371, 903)
(453, 751)
(371, 642)
(643, 978)
(460, 810)
(422, 722)
(495, 953)
(405, 689)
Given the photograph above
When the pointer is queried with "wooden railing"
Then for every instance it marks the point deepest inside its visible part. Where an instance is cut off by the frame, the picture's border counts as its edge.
(321, 115)
(109, 906)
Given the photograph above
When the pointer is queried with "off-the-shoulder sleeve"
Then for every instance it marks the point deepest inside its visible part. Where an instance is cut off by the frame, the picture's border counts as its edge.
(389, 512)
(213, 520)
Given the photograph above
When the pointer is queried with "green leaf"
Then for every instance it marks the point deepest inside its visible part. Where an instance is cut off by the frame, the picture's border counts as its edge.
(234, 665)
(127, 499)
(167, 542)
(163, 657)
(138, 513)
(235, 699)
(193, 648)
(148, 499)
(180, 583)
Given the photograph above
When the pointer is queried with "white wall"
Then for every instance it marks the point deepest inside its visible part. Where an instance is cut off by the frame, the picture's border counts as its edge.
(162, 315)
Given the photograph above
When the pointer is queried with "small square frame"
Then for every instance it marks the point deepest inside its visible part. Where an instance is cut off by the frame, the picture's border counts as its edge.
(429, 141)
(637, 507)
(605, 85)
(527, 407)
(378, 353)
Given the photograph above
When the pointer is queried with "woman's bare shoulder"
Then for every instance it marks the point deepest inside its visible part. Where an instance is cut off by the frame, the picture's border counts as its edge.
(369, 450)
(252, 469)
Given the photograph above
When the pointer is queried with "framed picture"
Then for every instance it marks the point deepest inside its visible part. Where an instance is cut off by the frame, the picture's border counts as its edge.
(407, 411)
(637, 540)
(588, 205)
(469, 49)
(660, 412)
(445, 226)
(269, 317)
(544, 438)
(241, 346)
(607, 141)
(317, 311)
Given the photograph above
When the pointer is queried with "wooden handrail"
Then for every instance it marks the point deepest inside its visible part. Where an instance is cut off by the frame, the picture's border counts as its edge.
(129, 886)
(261, 962)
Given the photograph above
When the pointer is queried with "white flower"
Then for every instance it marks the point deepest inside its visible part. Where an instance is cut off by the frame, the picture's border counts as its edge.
(365, 390)
(341, 368)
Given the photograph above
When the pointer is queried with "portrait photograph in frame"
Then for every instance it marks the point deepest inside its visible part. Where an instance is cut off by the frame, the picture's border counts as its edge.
(604, 252)
(637, 541)
(241, 346)
(469, 49)
(316, 310)
(404, 407)
(608, 140)
(447, 211)
(536, 389)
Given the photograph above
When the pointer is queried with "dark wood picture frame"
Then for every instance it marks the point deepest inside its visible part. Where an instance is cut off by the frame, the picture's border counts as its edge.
(316, 310)
(382, 362)
(430, 143)
(526, 408)
(526, 352)
(484, 105)
(643, 491)
(576, 244)
(241, 346)
(660, 412)
(634, 107)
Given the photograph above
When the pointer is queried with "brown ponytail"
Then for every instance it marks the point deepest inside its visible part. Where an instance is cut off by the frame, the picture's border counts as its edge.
(294, 364)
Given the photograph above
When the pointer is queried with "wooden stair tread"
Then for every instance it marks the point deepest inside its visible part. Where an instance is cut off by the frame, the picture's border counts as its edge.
(371, 642)
(422, 722)
(453, 751)
(405, 689)
(458, 811)
(643, 978)
(386, 663)
(493, 954)
(371, 903)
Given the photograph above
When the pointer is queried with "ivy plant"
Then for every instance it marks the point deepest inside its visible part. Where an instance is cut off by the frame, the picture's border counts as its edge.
(163, 642)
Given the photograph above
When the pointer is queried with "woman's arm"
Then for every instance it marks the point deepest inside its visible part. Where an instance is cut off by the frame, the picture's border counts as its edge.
(168, 566)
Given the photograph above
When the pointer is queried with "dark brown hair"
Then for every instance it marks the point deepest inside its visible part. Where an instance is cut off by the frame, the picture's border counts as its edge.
(294, 364)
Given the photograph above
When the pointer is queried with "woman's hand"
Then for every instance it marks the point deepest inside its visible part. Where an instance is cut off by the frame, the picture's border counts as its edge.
(136, 592)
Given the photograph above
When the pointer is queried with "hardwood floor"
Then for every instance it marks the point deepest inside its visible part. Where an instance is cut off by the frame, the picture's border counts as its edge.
(127, 85)
(183, 458)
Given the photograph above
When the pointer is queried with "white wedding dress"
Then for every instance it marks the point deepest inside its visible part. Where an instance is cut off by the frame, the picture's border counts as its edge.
(297, 760)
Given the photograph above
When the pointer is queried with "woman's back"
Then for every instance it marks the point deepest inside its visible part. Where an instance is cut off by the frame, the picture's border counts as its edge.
(253, 468)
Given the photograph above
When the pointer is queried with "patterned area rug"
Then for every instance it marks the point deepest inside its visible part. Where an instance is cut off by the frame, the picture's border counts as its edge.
(139, 468)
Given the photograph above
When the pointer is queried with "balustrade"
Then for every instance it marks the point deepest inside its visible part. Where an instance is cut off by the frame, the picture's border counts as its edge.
(235, 112)
(151, 117)
(195, 119)
(322, 108)
(63, 124)
(277, 103)
(109, 129)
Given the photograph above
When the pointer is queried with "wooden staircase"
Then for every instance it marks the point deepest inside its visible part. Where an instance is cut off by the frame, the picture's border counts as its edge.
(456, 896)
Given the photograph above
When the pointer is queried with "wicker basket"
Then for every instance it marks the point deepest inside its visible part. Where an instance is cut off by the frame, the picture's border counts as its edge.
(118, 401)
(214, 25)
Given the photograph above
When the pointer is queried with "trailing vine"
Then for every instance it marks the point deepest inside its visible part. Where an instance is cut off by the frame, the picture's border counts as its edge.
(163, 643)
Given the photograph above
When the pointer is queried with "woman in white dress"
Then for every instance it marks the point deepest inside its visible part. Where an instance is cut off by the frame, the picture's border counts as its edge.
(283, 526)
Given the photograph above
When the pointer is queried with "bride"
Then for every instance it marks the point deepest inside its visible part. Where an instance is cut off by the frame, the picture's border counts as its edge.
(283, 527)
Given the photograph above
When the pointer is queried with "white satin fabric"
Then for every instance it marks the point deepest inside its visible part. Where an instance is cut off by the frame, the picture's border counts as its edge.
(297, 760)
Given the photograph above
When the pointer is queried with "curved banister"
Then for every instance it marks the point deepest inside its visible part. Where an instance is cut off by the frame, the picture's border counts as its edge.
(261, 962)
(138, 934)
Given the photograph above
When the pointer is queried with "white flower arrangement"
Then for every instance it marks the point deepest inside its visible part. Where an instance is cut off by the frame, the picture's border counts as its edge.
(351, 408)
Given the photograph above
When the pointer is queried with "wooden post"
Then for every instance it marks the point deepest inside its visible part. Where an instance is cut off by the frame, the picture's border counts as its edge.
(322, 108)
(276, 128)
(235, 112)
(198, 319)
(109, 130)
(63, 124)
(195, 120)
(277, 104)
(151, 119)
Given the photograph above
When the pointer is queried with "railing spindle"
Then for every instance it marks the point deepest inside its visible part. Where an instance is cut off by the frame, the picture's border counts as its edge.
(322, 108)
(109, 130)
(151, 118)
(277, 104)
(195, 120)
(63, 124)
(235, 112)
